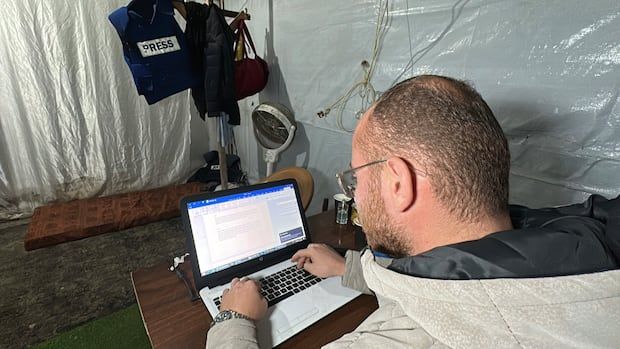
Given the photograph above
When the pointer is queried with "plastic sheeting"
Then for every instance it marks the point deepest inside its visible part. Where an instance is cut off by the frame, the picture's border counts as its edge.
(72, 125)
(71, 122)
(548, 69)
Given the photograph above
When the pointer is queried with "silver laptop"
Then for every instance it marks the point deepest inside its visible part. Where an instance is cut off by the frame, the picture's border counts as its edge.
(254, 231)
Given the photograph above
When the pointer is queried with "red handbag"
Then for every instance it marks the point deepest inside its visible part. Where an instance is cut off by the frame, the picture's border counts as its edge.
(251, 74)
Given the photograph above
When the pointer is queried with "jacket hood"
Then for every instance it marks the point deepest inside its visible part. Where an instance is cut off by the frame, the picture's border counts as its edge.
(569, 240)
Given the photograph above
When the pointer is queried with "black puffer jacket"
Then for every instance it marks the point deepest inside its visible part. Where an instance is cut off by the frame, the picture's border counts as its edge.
(569, 240)
(210, 41)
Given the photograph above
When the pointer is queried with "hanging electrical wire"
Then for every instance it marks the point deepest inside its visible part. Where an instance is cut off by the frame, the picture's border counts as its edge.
(364, 88)
(457, 9)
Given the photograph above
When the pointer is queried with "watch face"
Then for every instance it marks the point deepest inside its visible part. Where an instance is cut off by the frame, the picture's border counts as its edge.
(223, 315)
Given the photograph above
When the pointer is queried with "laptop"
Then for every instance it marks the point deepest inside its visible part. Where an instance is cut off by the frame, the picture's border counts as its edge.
(254, 231)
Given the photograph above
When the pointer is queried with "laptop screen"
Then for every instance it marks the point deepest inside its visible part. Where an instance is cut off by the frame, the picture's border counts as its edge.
(235, 228)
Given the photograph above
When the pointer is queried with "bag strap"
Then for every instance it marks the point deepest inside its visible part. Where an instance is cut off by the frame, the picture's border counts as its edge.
(239, 44)
(248, 37)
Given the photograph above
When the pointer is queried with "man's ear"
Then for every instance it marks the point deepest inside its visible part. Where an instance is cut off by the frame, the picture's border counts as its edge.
(399, 184)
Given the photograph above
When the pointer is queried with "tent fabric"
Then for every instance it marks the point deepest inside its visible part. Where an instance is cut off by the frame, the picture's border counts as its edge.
(549, 70)
(72, 124)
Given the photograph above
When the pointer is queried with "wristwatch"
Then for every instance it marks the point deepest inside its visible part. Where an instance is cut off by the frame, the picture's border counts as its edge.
(227, 315)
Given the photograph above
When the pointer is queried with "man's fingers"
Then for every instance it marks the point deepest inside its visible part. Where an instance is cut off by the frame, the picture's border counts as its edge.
(226, 290)
(305, 253)
(300, 262)
(297, 255)
(309, 267)
(234, 282)
(255, 284)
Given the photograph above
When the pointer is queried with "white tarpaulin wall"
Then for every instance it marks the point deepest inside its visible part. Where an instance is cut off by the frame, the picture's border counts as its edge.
(71, 122)
(72, 125)
(550, 70)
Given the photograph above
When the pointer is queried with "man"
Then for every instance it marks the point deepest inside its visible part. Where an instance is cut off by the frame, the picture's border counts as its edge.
(430, 179)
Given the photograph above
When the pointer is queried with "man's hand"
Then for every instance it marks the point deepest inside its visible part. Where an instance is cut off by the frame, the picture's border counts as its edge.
(244, 298)
(320, 260)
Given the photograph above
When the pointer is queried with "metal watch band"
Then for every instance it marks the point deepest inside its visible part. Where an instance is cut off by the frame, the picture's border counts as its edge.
(227, 315)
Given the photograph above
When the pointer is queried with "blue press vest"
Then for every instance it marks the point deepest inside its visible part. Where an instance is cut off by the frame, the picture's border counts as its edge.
(154, 48)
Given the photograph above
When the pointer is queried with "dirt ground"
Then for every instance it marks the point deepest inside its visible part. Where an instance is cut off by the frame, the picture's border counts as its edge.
(51, 290)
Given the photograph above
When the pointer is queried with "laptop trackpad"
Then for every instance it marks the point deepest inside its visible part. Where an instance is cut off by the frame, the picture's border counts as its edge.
(289, 314)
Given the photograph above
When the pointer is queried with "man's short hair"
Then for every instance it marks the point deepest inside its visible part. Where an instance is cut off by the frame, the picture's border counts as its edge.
(445, 127)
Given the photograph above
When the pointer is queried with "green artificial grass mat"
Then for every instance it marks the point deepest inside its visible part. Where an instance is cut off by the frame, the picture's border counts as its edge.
(122, 329)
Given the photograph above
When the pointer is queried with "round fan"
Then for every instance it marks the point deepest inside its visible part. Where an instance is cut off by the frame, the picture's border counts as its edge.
(274, 129)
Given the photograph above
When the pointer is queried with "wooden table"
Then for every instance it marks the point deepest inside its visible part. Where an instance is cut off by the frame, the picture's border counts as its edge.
(172, 321)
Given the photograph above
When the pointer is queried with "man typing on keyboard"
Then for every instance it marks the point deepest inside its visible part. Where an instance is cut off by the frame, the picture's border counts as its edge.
(451, 263)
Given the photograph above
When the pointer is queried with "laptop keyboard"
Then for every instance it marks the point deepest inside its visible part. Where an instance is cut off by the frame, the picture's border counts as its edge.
(283, 284)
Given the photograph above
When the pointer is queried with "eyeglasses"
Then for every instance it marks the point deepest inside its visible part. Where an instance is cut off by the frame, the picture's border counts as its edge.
(348, 181)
